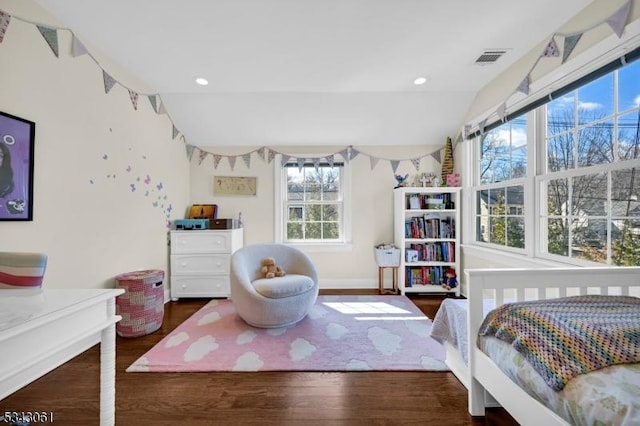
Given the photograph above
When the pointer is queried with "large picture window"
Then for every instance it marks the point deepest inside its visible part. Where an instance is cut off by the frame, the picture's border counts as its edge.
(585, 167)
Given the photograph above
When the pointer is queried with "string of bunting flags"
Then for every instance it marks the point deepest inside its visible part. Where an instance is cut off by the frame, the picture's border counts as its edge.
(50, 35)
(617, 21)
(269, 154)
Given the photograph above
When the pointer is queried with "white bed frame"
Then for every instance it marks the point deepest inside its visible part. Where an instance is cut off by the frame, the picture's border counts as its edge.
(543, 283)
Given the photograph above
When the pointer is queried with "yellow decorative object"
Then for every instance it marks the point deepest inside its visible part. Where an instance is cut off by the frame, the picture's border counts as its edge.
(447, 161)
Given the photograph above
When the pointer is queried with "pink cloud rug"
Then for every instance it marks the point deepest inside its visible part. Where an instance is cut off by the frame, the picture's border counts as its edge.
(341, 333)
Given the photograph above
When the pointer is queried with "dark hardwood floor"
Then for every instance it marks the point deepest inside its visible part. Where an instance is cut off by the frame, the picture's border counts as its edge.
(71, 392)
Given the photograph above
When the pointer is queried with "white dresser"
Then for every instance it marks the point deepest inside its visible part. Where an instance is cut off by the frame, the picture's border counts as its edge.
(200, 262)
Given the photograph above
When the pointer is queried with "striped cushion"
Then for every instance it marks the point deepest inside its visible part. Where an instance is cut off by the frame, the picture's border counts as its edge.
(22, 270)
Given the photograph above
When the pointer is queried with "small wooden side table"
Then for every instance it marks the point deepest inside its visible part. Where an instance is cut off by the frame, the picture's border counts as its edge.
(394, 274)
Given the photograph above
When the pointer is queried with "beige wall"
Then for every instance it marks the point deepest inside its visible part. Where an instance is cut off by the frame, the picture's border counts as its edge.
(372, 203)
(90, 147)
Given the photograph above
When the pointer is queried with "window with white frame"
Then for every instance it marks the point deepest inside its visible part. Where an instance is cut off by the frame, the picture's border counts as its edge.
(586, 190)
(312, 202)
(500, 208)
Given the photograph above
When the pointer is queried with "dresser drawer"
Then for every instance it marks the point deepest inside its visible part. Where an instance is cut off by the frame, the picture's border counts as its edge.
(201, 242)
(200, 263)
(199, 286)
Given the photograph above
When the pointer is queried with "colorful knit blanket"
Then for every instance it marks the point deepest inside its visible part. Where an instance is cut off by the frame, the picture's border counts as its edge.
(565, 337)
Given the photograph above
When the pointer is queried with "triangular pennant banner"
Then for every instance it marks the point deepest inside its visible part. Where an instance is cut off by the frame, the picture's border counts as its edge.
(345, 154)
(373, 160)
(190, 149)
(570, 44)
(551, 51)
(436, 156)
(316, 164)
(232, 161)
(271, 154)
(109, 82)
(416, 163)
(618, 20)
(502, 111)
(285, 159)
(459, 138)
(51, 37)
(174, 131)
(77, 48)
(216, 160)
(161, 109)
(467, 130)
(154, 102)
(134, 99)
(5, 18)
(261, 153)
(330, 160)
(247, 159)
(300, 163)
(524, 85)
(353, 153)
(202, 156)
(481, 125)
(394, 165)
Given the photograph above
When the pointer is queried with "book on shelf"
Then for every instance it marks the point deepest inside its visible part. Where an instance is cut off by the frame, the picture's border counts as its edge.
(424, 275)
(411, 255)
(440, 251)
(414, 202)
(429, 226)
(429, 201)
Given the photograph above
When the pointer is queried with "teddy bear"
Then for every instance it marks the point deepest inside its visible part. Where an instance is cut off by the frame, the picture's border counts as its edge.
(270, 269)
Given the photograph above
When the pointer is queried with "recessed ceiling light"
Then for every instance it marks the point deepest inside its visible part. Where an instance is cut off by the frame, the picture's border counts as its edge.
(202, 81)
(420, 80)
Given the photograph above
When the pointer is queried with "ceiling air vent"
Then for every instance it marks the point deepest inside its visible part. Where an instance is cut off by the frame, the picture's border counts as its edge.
(489, 56)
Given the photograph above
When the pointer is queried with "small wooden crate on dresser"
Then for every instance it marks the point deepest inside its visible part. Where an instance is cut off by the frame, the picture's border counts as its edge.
(200, 261)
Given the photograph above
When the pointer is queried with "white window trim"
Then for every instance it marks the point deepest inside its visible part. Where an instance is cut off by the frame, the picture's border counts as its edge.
(279, 189)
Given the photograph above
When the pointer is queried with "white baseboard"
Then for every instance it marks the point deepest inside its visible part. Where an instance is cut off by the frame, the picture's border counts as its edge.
(348, 283)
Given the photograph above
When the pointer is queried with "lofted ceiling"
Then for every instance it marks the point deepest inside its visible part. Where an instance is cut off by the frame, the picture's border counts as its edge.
(320, 72)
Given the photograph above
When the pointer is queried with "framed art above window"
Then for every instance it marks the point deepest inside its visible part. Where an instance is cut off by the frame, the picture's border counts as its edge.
(17, 137)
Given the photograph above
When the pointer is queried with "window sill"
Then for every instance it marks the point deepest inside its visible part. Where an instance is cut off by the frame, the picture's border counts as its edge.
(514, 260)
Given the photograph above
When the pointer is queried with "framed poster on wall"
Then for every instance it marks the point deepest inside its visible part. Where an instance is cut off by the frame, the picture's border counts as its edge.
(234, 185)
(16, 167)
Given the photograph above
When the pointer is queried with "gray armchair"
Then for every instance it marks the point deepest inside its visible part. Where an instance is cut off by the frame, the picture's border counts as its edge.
(273, 302)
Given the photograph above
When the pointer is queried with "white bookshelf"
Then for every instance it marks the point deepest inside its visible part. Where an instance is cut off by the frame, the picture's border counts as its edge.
(427, 220)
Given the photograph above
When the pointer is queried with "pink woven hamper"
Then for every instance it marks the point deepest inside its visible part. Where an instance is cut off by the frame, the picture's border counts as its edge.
(142, 304)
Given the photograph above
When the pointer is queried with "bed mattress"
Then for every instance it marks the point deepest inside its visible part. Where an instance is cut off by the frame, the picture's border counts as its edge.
(609, 396)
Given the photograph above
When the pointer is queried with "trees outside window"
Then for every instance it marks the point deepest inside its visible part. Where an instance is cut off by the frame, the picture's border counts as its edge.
(314, 203)
(587, 161)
